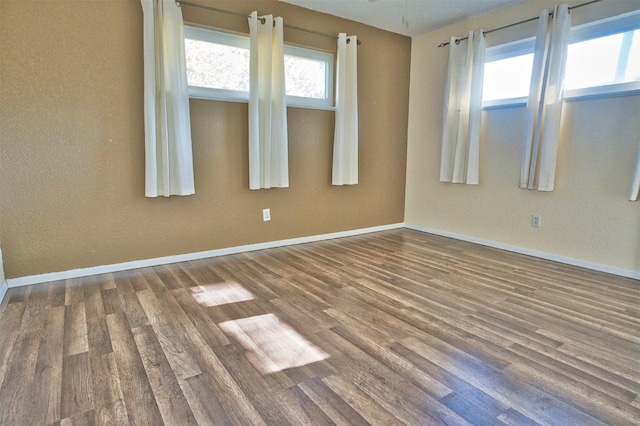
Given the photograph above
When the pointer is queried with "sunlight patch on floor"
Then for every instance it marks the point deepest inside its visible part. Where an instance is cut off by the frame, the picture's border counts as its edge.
(271, 344)
(220, 294)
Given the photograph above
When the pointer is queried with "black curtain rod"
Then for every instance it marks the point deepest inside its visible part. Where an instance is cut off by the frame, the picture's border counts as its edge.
(230, 12)
(519, 23)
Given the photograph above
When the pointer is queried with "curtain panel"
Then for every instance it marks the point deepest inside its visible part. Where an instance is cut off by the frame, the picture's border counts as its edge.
(345, 141)
(168, 151)
(462, 112)
(635, 181)
(268, 140)
(544, 106)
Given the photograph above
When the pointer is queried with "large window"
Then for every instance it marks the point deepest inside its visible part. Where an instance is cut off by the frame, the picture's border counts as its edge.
(603, 59)
(218, 68)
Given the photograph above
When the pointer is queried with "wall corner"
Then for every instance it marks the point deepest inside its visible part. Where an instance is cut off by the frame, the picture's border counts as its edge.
(4, 286)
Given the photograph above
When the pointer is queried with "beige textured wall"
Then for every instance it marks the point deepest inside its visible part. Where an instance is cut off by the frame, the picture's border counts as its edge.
(72, 155)
(587, 217)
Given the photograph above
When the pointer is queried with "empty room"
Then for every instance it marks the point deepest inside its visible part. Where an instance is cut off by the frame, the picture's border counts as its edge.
(310, 212)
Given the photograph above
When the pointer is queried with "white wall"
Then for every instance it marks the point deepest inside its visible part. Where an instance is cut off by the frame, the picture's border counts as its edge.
(588, 217)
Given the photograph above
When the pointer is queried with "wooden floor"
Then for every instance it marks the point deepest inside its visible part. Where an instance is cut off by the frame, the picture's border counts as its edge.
(397, 327)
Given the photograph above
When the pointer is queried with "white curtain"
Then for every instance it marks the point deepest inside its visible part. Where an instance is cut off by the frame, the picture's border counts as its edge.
(268, 141)
(544, 107)
(168, 156)
(345, 141)
(635, 181)
(462, 113)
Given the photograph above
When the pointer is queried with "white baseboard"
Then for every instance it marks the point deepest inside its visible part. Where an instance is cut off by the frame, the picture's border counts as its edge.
(521, 250)
(3, 289)
(96, 270)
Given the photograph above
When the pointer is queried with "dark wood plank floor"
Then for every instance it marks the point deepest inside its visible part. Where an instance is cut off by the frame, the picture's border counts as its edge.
(397, 327)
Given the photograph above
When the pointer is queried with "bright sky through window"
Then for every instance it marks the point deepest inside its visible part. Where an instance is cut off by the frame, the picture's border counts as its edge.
(508, 78)
(597, 62)
(217, 66)
(605, 60)
(304, 77)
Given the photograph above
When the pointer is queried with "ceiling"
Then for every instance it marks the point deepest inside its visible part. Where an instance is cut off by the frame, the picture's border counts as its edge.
(407, 17)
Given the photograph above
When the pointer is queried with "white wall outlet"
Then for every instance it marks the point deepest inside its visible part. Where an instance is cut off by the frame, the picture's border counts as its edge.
(536, 221)
(266, 215)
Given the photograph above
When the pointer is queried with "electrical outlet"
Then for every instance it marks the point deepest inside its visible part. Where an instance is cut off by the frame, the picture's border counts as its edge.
(536, 221)
(266, 215)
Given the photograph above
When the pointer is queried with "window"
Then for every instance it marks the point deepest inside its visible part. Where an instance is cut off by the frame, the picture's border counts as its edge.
(218, 68)
(308, 77)
(217, 64)
(507, 78)
(613, 59)
(603, 59)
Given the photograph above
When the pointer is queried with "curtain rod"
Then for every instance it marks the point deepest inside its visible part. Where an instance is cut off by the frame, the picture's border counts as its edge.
(179, 3)
(458, 40)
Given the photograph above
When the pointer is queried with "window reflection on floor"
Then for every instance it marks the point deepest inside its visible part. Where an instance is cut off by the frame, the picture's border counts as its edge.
(220, 294)
(271, 344)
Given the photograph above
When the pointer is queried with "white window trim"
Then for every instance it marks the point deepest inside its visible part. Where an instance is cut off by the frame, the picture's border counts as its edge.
(631, 88)
(601, 28)
(510, 50)
(207, 93)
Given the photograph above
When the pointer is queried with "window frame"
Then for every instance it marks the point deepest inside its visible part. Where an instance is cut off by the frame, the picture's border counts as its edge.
(317, 55)
(592, 30)
(220, 37)
(506, 51)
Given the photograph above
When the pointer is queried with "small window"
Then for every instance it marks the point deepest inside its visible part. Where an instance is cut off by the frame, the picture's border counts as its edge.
(217, 64)
(218, 68)
(603, 59)
(308, 77)
(613, 59)
(508, 78)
